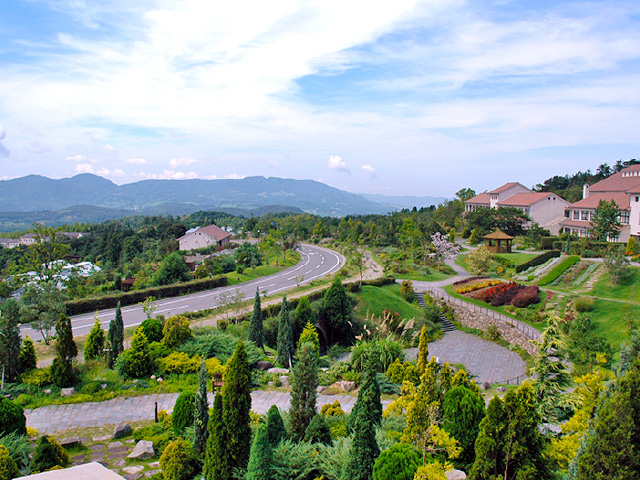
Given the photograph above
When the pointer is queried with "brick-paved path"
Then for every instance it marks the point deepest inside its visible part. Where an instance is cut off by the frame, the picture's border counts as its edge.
(57, 418)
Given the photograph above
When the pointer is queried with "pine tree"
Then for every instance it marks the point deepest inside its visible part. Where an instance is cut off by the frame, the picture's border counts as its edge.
(310, 335)
(303, 316)
(94, 347)
(10, 363)
(28, 358)
(318, 431)
(275, 426)
(304, 386)
(423, 350)
(337, 309)
(138, 357)
(216, 465)
(285, 346)
(66, 349)
(256, 327)
(462, 412)
(364, 449)
(201, 417)
(490, 442)
(116, 336)
(368, 402)
(183, 412)
(236, 394)
(260, 467)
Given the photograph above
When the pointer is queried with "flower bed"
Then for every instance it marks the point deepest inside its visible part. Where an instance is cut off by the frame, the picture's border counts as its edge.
(469, 280)
(510, 293)
(477, 286)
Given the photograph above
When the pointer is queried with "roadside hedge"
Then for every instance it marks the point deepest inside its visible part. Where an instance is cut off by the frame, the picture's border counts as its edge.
(539, 260)
(558, 270)
(91, 304)
(548, 243)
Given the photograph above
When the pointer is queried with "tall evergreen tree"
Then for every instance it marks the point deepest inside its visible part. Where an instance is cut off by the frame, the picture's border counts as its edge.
(201, 417)
(302, 316)
(260, 466)
(236, 394)
(28, 358)
(304, 394)
(10, 363)
(337, 309)
(256, 328)
(364, 449)
(138, 356)
(93, 349)
(462, 412)
(275, 426)
(368, 402)
(216, 465)
(489, 444)
(423, 351)
(66, 350)
(285, 346)
(116, 336)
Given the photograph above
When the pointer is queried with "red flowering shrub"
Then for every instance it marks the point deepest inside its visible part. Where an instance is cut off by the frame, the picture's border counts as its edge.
(526, 296)
(506, 296)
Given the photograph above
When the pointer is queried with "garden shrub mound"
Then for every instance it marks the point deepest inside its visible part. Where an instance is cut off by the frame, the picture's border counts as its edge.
(465, 281)
(539, 260)
(472, 287)
(510, 293)
(558, 270)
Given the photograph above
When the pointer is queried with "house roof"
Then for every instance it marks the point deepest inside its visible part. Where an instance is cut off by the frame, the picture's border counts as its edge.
(483, 198)
(87, 471)
(498, 235)
(569, 222)
(625, 180)
(212, 230)
(525, 199)
(621, 199)
(505, 187)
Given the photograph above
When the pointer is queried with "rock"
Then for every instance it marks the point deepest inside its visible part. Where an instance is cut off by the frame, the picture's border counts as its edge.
(502, 389)
(101, 438)
(122, 430)
(320, 389)
(486, 386)
(151, 473)
(67, 392)
(142, 450)
(154, 464)
(120, 463)
(284, 380)
(47, 391)
(70, 442)
(278, 370)
(135, 469)
(264, 365)
(132, 476)
(347, 386)
(456, 475)
(271, 383)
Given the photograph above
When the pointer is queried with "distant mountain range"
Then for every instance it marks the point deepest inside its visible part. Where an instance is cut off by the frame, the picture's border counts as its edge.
(90, 198)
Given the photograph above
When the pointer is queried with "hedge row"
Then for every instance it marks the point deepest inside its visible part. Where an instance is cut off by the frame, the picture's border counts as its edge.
(91, 304)
(549, 243)
(539, 260)
(558, 270)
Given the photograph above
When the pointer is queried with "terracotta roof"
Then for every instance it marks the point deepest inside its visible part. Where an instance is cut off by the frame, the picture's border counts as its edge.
(498, 235)
(483, 198)
(215, 232)
(525, 199)
(506, 186)
(623, 181)
(621, 199)
(568, 222)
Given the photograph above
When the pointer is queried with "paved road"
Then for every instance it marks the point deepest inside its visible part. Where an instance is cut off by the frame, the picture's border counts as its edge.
(315, 262)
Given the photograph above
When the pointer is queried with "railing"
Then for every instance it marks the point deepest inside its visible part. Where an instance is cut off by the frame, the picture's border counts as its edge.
(528, 331)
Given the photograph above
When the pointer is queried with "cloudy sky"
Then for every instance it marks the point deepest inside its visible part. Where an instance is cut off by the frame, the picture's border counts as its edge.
(395, 97)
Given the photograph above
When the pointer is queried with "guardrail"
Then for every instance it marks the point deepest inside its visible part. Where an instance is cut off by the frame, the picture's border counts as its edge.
(528, 331)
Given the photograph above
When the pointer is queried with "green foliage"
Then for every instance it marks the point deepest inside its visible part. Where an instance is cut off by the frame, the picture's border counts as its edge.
(275, 426)
(256, 327)
(632, 246)
(617, 267)
(510, 220)
(304, 384)
(462, 412)
(337, 310)
(364, 450)
(138, 358)
(379, 352)
(152, 328)
(285, 348)
(539, 260)
(260, 467)
(558, 270)
(115, 336)
(42, 305)
(310, 335)
(12, 418)
(201, 413)
(406, 290)
(293, 460)
(8, 468)
(176, 331)
(423, 351)
(247, 255)
(368, 404)
(178, 461)
(183, 412)
(303, 316)
(400, 462)
(318, 431)
(173, 269)
(10, 340)
(220, 345)
(93, 349)
(28, 359)
(19, 448)
(61, 368)
(216, 464)
(48, 454)
(584, 304)
(179, 362)
(473, 238)
(606, 220)
(478, 262)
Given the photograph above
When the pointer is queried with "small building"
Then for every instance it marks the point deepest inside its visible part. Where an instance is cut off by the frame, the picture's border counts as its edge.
(498, 242)
(201, 237)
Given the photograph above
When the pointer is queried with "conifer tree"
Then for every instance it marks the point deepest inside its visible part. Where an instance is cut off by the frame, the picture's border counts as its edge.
(260, 467)
(138, 357)
(337, 308)
(10, 363)
(368, 402)
(66, 350)
(310, 335)
(364, 449)
(275, 426)
(285, 346)
(318, 431)
(302, 317)
(115, 336)
(423, 351)
(304, 384)
(28, 358)
(95, 342)
(462, 412)
(490, 442)
(183, 412)
(216, 464)
(256, 328)
(201, 416)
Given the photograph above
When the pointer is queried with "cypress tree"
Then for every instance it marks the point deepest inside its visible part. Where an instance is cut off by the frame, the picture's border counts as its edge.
(260, 467)
(183, 412)
(28, 358)
(216, 466)
(116, 336)
(303, 316)
(285, 346)
(337, 308)
(138, 356)
(236, 395)
(318, 431)
(368, 402)
(275, 426)
(66, 349)
(490, 442)
(10, 362)
(95, 342)
(364, 449)
(310, 335)
(256, 327)
(304, 386)
(423, 351)
(201, 416)
(463, 410)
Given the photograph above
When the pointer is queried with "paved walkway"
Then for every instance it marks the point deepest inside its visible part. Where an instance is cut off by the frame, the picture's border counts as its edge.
(57, 418)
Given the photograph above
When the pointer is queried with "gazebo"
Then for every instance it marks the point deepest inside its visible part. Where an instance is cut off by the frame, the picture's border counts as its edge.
(498, 242)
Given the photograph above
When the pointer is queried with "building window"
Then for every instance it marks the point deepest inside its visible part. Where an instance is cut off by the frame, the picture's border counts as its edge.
(637, 199)
(576, 215)
(615, 238)
(624, 217)
(585, 215)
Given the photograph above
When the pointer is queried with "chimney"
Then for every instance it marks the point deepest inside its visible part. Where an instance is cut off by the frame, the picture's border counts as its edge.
(585, 191)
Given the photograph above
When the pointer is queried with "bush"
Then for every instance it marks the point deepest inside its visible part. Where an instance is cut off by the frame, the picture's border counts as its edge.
(183, 412)
(558, 270)
(221, 346)
(138, 360)
(407, 290)
(38, 377)
(12, 418)
(527, 296)
(48, 454)
(19, 448)
(176, 331)
(382, 352)
(158, 350)
(539, 260)
(8, 468)
(547, 243)
(332, 409)
(583, 304)
(179, 362)
(400, 462)
(317, 431)
(178, 461)
(91, 388)
(152, 328)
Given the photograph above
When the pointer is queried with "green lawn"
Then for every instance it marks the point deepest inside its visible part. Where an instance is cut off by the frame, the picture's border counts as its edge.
(516, 258)
(608, 316)
(629, 290)
(234, 278)
(374, 300)
(434, 276)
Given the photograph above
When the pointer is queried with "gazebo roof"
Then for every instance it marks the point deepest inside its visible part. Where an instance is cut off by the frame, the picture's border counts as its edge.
(498, 235)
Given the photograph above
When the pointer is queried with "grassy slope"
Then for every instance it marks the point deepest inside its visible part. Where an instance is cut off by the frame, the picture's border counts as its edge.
(375, 299)
(263, 270)
(629, 290)
(608, 317)
(517, 258)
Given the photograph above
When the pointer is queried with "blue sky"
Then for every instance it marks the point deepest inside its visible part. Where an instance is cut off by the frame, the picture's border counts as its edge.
(401, 98)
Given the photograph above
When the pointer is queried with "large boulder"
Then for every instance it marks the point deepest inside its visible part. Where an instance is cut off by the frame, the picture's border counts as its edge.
(456, 475)
(67, 392)
(284, 380)
(122, 430)
(70, 442)
(277, 370)
(142, 450)
(347, 386)
(263, 365)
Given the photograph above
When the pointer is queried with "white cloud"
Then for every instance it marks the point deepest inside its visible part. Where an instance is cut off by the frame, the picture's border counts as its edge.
(176, 162)
(369, 170)
(4, 151)
(234, 176)
(137, 161)
(169, 175)
(77, 158)
(110, 150)
(336, 163)
(84, 168)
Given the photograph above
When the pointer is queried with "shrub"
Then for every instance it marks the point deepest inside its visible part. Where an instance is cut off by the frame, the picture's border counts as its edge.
(400, 462)
(28, 355)
(48, 454)
(176, 331)
(332, 409)
(158, 350)
(221, 346)
(138, 360)
(152, 328)
(91, 388)
(38, 377)
(317, 431)
(179, 362)
(8, 468)
(527, 296)
(583, 304)
(558, 270)
(19, 448)
(406, 290)
(178, 461)
(183, 412)
(382, 352)
(12, 418)
(539, 260)
(547, 243)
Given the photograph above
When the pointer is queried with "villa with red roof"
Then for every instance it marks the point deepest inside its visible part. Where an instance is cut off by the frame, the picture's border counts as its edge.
(545, 208)
(201, 237)
(624, 189)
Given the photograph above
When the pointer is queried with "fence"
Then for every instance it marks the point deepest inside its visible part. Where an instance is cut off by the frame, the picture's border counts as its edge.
(529, 332)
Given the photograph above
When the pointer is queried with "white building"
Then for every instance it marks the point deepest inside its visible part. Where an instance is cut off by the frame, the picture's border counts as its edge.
(201, 237)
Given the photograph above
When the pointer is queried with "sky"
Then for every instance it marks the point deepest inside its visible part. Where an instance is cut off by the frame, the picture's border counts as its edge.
(403, 97)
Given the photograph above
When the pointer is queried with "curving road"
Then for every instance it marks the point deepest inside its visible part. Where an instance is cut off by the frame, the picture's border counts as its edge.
(315, 262)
